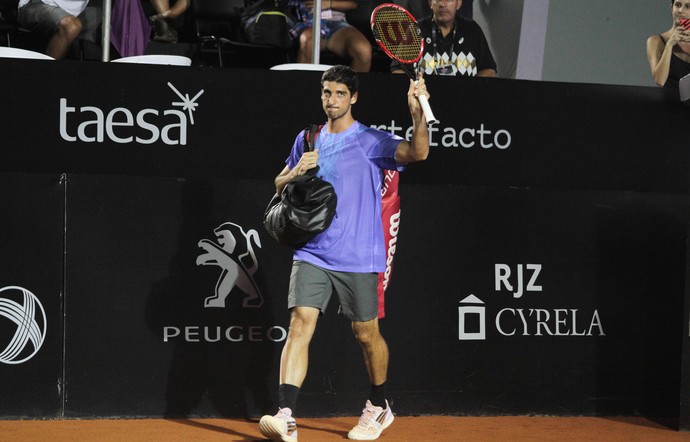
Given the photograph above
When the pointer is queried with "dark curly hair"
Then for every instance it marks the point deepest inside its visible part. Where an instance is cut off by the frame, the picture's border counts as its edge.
(344, 75)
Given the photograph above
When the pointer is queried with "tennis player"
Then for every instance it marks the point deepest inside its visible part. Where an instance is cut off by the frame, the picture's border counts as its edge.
(345, 259)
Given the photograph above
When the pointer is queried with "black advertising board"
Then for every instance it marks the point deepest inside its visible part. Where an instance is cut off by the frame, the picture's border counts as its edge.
(540, 264)
(170, 278)
(684, 414)
(514, 301)
(507, 301)
(232, 123)
(31, 288)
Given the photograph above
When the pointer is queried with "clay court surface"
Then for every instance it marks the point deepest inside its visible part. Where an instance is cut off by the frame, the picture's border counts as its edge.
(438, 429)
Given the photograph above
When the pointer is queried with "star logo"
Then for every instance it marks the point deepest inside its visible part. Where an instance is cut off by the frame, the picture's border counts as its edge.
(187, 104)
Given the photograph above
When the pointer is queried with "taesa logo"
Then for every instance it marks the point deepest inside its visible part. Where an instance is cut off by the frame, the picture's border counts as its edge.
(22, 314)
(91, 124)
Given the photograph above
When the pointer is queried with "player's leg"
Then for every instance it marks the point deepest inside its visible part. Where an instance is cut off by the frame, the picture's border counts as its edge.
(308, 296)
(374, 348)
(294, 359)
(377, 415)
(358, 295)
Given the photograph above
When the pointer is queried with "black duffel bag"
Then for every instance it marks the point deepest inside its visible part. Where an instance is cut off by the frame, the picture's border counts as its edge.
(305, 207)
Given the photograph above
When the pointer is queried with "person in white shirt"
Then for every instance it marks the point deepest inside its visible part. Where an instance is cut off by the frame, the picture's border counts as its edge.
(63, 20)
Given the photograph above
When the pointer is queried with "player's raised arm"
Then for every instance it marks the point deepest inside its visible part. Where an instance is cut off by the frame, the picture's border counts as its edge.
(417, 149)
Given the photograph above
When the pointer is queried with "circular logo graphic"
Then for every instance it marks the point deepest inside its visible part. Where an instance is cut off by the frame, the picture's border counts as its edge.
(23, 323)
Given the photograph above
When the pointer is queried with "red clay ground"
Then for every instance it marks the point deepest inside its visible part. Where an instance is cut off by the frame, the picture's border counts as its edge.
(436, 429)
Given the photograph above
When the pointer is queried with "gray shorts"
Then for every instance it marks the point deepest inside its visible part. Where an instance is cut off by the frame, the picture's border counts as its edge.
(312, 286)
(38, 17)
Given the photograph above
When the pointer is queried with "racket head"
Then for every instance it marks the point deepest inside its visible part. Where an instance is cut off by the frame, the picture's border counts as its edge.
(396, 32)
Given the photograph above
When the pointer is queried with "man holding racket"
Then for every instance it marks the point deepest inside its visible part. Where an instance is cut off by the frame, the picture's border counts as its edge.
(346, 258)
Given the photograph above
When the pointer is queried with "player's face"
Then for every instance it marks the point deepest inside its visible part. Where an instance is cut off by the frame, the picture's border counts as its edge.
(444, 10)
(336, 99)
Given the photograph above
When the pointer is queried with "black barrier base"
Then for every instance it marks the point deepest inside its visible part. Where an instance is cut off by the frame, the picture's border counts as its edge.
(31, 296)
(539, 302)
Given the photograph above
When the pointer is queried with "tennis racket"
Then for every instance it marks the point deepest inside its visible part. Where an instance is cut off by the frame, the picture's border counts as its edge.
(396, 31)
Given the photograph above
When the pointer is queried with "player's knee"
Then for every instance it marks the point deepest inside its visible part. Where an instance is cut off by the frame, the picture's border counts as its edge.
(300, 327)
(365, 333)
(297, 327)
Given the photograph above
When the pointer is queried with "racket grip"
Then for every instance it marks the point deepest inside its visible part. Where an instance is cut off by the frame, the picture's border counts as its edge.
(428, 113)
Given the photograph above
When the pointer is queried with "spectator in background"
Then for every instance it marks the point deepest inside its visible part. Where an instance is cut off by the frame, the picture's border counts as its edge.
(63, 20)
(453, 45)
(420, 8)
(337, 35)
(668, 53)
(162, 21)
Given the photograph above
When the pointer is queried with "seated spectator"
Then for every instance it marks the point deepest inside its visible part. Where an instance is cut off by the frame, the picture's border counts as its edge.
(453, 45)
(162, 21)
(63, 20)
(668, 53)
(337, 35)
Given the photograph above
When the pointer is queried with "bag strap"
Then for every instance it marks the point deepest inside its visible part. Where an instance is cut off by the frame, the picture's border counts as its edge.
(311, 133)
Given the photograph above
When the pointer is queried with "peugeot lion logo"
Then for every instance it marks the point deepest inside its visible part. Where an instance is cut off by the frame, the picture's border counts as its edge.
(234, 254)
(27, 319)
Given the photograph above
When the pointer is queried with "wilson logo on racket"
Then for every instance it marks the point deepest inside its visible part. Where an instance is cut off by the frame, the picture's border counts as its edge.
(398, 33)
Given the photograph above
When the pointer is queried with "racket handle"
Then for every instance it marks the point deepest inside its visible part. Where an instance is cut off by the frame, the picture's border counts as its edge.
(428, 113)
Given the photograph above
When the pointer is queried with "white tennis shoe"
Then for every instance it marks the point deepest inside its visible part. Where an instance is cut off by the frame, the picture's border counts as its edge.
(373, 421)
(281, 427)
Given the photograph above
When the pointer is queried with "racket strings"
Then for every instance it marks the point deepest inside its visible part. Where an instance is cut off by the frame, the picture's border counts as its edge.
(398, 33)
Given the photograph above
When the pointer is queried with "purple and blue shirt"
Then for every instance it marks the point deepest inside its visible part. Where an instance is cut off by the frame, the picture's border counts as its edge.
(351, 161)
